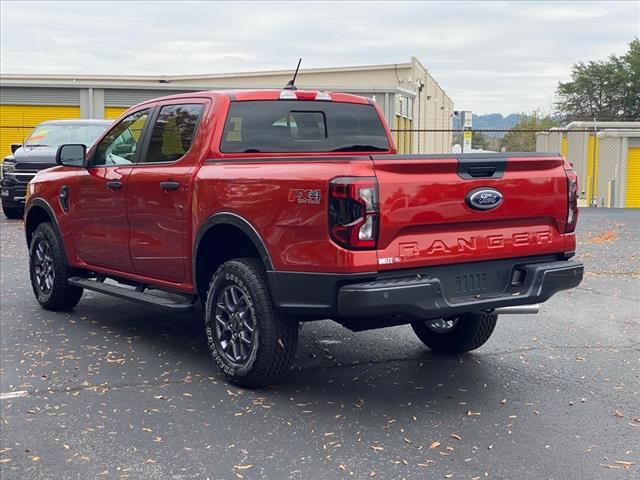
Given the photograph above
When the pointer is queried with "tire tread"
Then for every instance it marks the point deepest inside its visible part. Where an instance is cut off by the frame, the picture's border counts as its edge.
(63, 296)
(278, 334)
(471, 332)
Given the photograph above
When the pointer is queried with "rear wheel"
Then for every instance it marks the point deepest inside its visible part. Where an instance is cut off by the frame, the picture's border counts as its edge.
(251, 343)
(457, 334)
(48, 271)
(13, 213)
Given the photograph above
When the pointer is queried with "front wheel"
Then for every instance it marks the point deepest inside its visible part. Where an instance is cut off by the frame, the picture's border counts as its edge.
(48, 271)
(458, 334)
(251, 343)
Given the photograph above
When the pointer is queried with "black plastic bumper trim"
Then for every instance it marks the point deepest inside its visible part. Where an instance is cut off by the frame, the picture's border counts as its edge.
(310, 294)
(423, 298)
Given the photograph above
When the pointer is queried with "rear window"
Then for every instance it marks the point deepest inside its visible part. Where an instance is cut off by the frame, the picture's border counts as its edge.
(283, 126)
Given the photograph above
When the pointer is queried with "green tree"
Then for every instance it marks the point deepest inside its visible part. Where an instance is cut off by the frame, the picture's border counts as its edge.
(479, 141)
(605, 89)
(522, 136)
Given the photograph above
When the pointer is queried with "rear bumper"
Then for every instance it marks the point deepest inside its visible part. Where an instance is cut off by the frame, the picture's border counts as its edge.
(423, 297)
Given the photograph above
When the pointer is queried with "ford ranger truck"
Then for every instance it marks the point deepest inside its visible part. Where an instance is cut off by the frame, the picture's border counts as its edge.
(272, 207)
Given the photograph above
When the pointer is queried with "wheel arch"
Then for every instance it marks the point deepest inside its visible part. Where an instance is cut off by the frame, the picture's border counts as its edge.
(233, 236)
(39, 211)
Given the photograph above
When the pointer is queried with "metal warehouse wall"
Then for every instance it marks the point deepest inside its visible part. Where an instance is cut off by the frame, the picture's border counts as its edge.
(130, 97)
(39, 96)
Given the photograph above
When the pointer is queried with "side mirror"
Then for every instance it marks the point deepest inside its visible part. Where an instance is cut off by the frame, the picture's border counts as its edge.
(15, 146)
(71, 155)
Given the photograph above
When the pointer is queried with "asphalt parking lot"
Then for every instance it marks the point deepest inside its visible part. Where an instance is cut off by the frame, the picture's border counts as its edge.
(117, 390)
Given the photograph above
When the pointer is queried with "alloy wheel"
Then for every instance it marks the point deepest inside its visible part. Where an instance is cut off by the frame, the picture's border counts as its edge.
(441, 325)
(43, 266)
(234, 324)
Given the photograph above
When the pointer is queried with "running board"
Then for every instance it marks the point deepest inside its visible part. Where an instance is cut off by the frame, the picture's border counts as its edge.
(133, 295)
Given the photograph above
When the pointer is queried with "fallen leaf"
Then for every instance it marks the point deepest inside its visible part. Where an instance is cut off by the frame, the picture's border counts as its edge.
(377, 448)
(456, 436)
(618, 413)
(242, 467)
(434, 445)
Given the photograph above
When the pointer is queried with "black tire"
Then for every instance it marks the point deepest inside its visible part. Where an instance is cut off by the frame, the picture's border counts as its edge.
(274, 337)
(13, 213)
(55, 294)
(471, 331)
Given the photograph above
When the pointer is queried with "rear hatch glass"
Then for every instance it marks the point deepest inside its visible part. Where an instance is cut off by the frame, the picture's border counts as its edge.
(287, 126)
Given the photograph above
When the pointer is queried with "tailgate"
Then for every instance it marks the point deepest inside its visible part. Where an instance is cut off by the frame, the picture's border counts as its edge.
(427, 216)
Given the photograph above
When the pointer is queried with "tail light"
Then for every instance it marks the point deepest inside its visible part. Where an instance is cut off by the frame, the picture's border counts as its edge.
(353, 212)
(572, 201)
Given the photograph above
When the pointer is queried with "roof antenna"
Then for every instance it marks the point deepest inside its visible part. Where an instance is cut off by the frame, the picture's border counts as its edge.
(291, 83)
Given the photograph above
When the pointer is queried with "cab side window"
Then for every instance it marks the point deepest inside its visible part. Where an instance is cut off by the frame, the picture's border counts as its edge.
(173, 132)
(120, 145)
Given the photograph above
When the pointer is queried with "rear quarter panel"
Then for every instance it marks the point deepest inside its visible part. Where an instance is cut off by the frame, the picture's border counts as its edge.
(266, 193)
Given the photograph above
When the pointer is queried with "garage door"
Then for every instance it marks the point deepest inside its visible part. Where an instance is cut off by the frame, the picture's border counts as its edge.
(111, 113)
(17, 121)
(633, 178)
(592, 168)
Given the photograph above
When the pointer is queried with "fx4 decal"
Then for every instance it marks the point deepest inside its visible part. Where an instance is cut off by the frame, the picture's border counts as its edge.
(303, 195)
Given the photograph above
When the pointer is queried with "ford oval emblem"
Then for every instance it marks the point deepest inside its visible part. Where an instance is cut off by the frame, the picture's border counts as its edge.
(484, 198)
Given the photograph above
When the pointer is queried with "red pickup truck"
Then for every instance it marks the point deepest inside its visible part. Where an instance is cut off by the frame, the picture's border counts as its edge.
(273, 207)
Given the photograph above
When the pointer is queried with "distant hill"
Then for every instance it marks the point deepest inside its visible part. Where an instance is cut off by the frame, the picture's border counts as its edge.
(490, 121)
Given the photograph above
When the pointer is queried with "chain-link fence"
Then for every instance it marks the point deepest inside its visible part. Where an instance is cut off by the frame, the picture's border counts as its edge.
(607, 160)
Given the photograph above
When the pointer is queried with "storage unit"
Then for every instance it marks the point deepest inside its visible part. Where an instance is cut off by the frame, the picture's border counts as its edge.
(542, 142)
(21, 109)
(619, 168)
(582, 151)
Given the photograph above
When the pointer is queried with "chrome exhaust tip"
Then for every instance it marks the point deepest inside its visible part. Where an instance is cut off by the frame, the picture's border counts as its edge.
(518, 310)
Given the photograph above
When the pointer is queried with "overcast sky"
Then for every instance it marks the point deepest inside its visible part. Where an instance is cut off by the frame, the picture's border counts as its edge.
(489, 57)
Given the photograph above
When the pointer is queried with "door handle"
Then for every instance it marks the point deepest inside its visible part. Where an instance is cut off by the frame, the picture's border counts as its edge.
(169, 185)
(114, 185)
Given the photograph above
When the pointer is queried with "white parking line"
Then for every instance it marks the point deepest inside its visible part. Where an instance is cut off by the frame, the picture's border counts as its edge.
(8, 395)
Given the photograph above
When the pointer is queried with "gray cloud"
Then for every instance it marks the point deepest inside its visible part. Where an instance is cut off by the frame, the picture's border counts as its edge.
(505, 57)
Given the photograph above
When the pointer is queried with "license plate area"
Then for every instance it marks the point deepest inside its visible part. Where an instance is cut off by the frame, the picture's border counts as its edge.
(469, 279)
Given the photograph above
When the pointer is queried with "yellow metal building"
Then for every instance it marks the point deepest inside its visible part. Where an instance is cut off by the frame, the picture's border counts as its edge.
(619, 168)
(580, 144)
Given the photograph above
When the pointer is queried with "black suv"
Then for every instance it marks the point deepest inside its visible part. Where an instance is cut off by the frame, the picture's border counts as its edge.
(39, 152)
